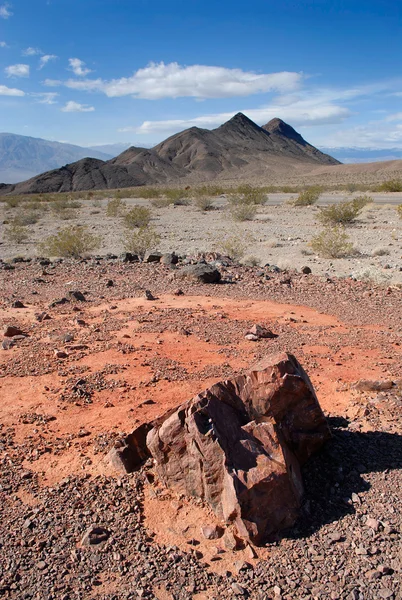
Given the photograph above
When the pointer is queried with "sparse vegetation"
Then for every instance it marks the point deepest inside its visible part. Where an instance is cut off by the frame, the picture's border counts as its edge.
(204, 203)
(234, 246)
(178, 197)
(73, 241)
(160, 202)
(361, 201)
(252, 195)
(138, 216)
(29, 217)
(65, 208)
(138, 242)
(308, 197)
(243, 212)
(332, 242)
(380, 251)
(115, 207)
(393, 185)
(399, 210)
(342, 213)
(17, 233)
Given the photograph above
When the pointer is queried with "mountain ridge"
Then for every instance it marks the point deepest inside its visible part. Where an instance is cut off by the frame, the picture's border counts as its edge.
(236, 147)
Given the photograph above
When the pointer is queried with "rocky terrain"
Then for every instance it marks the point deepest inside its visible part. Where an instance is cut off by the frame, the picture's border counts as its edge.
(238, 148)
(101, 346)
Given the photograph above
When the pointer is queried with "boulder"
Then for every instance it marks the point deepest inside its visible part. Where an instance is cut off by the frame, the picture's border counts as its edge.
(202, 273)
(11, 330)
(150, 257)
(76, 295)
(240, 444)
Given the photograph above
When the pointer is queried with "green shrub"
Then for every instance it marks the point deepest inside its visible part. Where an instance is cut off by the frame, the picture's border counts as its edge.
(138, 216)
(65, 208)
(339, 214)
(29, 217)
(243, 212)
(233, 246)
(393, 185)
(12, 201)
(361, 201)
(332, 242)
(160, 202)
(74, 241)
(138, 242)
(17, 233)
(204, 203)
(307, 197)
(115, 207)
(179, 197)
(252, 195)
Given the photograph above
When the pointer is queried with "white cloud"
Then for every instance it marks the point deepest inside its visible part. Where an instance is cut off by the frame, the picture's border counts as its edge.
(3, 45)
(45, 59)
(6, 91)
(394, 117)
(52, 82)
(5, 12)
(78, 67)
(17, 71)
(46, 97)
(160, 80)
(31, 51)
(72, 106)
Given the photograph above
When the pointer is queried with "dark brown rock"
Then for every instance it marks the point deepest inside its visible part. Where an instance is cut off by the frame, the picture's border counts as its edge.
(201, 273)
(11, 331)
(239, 445)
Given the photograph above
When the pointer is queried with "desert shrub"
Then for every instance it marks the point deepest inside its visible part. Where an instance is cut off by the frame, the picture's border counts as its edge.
(138, 216)
(233, 246)
(332, 242)
(250, 261)
(399, 210)
(208, 190)
(307, 197)
(138, 242)
(243, 212)
(252, 195)
(11, 201)
(74, 241)
(16, 233)
(160, 202)
(29, 217)
(147, 193)
(115, 207)
(393, 185)
(380, 251)
(64, 208)
(342, 213)
(204, 203)
(361, 201)
(179, 197)
(38, 205)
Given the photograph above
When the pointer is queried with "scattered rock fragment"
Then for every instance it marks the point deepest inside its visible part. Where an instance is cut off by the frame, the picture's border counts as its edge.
(18, 304)
(306, 270)
(60, 354)
(169, 259)
(95, 535)
(257, 332)
(212, 532)
(58, 302)
(202, 273)
(12, 330)
(149, 295)
(150, 257)
(128, 257)
(43, 316)
(76, 295)
(7, 343)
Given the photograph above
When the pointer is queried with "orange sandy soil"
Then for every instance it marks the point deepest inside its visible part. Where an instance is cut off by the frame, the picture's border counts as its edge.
(335, 354)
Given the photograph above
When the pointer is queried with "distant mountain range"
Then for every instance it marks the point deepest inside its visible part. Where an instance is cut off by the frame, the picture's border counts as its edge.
(363, 155)
(237, 149)
(22, 157)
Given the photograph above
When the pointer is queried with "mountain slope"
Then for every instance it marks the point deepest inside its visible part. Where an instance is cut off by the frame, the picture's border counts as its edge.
(22, 157)
(237, 149)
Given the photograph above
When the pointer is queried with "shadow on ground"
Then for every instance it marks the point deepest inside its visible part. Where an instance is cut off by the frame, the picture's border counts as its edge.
(337, 472)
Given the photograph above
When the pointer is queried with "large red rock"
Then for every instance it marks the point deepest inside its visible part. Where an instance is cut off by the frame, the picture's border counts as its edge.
(240, 444)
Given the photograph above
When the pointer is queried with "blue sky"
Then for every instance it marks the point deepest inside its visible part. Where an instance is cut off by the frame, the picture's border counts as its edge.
(103, 71)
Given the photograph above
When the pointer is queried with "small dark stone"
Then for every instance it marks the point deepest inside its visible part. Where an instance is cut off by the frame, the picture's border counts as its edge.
(128, 257)
(17, 304)
(76, 295)
(306, 270)
(110, 283)
(150, 257)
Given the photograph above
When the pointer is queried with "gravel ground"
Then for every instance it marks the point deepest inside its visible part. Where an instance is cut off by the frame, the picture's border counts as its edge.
(59, 416)
(279, 234)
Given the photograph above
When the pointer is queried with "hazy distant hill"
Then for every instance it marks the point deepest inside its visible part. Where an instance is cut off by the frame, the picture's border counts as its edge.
(363, 155)
(237, 149)
(111, 149)
(22, 157)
